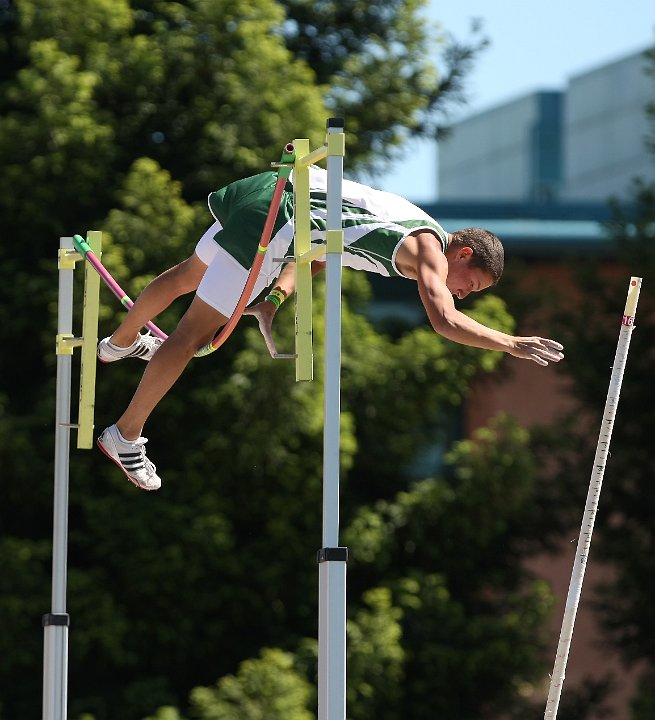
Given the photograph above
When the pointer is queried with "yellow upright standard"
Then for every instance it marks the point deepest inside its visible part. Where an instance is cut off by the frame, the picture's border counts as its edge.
(89, 344)
(302, 245)
(304, 255)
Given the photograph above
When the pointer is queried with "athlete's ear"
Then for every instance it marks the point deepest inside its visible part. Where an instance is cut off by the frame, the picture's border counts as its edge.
(464, 252)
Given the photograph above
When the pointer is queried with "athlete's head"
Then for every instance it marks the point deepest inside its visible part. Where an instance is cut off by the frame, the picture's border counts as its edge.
(488, 253)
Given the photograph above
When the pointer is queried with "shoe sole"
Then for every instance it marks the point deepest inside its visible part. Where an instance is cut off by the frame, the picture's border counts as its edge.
(118, 465)
(124, 357)
(109, 362)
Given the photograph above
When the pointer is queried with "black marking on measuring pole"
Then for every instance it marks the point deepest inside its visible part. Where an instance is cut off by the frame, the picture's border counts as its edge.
(339, 554)
(62, 619)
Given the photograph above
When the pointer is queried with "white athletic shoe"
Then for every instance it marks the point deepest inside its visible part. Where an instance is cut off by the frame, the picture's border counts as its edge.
(130, 456)
(144, 347)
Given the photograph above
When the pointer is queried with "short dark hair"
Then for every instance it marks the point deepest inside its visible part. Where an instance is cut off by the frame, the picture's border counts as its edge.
(488, 253)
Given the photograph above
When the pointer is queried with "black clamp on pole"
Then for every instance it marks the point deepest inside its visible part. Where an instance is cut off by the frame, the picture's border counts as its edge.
(335, 554)
(56, 619)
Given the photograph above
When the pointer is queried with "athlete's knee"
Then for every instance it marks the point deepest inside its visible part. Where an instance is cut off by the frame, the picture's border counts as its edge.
(187, 275)
(189, 336)
(198, 325)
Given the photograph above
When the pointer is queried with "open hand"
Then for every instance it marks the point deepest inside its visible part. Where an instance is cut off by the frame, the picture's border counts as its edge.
(264, 312)
(539, 350)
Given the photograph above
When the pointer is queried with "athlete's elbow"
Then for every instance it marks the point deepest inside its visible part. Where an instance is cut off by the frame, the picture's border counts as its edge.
(443, 322)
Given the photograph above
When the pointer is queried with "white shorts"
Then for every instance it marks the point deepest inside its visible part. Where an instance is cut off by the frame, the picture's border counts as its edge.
(223, 282)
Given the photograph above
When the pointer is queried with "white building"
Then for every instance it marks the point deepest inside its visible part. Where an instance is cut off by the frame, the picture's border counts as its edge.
(580, 144)
(605, 129)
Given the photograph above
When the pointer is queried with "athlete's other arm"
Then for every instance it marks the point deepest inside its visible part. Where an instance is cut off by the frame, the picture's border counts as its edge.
(265, 311)
(431, 275)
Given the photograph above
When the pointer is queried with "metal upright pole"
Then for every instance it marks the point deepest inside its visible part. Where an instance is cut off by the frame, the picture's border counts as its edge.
(55, 623)
(331, 557)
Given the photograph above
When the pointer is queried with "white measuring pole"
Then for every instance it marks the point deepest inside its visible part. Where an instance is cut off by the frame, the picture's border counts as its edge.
(593, 496)
(332, 558)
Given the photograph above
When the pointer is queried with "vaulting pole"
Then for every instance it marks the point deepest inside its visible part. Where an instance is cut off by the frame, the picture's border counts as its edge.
(593, 496)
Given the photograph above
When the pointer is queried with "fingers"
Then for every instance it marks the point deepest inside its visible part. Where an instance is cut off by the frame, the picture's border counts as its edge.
(551, 350)
(552, 344)
(265, 329)
(265, 320)
(541, 350)
(550, 355)
(538, 359)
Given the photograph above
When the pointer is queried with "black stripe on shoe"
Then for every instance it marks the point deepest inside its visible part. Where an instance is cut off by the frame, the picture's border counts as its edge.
(133, 461)
(133, 353)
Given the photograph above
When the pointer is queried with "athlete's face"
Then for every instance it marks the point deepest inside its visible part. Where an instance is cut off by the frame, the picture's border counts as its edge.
(462, 278)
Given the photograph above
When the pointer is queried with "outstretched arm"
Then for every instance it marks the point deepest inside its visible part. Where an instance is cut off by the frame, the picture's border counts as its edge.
(432, 271)
(265, 310)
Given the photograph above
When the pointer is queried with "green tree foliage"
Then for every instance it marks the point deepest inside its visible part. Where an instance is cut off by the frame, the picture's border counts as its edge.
(266, 688)
(590, 329)
(376, 61)
(449, 547)
(122, 116)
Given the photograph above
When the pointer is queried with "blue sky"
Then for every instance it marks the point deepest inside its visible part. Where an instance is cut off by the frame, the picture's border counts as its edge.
(534, 45)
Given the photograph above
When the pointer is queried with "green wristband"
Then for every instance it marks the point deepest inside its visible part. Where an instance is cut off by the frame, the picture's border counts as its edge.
(277, 297)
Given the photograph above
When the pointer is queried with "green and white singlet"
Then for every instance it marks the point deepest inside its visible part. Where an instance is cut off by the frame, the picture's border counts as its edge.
(375, 223)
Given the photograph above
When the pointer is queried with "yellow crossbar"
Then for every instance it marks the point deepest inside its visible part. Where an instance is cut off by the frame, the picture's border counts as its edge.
(311, 158)
(312, 255)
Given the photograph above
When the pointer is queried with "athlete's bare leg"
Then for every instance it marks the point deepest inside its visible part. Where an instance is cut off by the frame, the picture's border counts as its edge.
(157, 296)
(196, 328)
